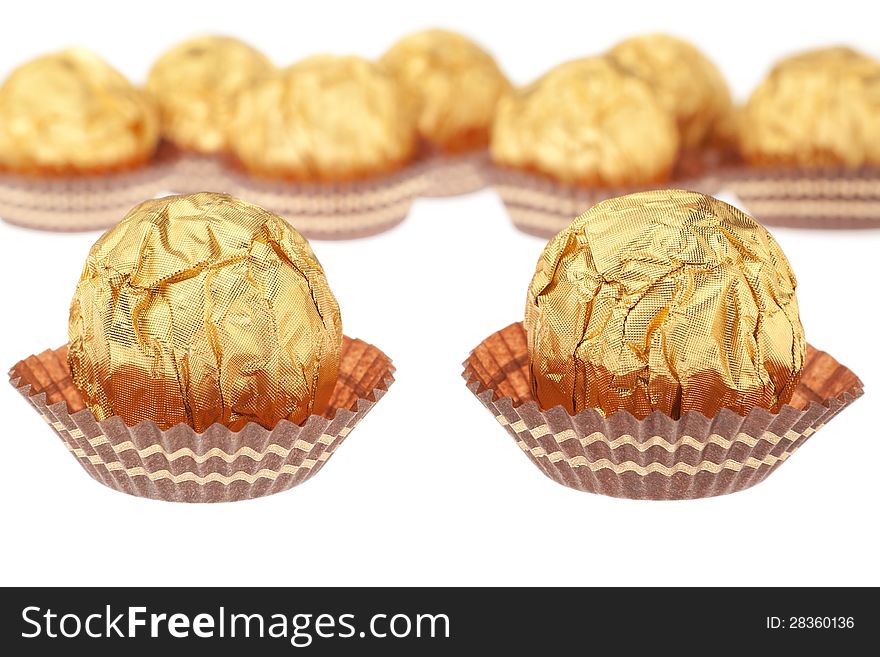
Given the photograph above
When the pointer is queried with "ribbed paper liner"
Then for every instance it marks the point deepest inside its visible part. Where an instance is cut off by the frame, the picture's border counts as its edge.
(542, 207)
(77, 203)
(444, 174)
(455, 175)
(195, 172)
(656, 458)
(801, 198)
(336, 211)
(218, 465)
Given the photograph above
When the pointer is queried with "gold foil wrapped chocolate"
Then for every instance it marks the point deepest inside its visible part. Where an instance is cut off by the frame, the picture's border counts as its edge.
(724, 135)
(324, 119)
(686, 83)
(203, 309)
(194, 85)
(587, 122)
(69, 112)
(667, 301)
(456, 83)
(818, 108)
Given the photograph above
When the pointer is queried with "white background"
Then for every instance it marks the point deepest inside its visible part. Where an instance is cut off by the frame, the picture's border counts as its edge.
(406, 500)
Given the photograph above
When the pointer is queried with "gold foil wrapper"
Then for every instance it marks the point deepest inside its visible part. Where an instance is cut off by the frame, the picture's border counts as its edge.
(324, 119)
(69, 112)
(587, 122)
(664, 301)
(818, 108)
(203, 309)
(194, 85)
(456, 83)
(686, 82)
(724, 135)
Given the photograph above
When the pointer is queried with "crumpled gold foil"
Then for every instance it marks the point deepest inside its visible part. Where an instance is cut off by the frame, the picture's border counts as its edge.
(667, 301)
(724, 135)
(204, 309)
(456, 83)
(69, 112)
(194, 85)
(685, 81)
(324, 119)
(586, 122)
(818, 108)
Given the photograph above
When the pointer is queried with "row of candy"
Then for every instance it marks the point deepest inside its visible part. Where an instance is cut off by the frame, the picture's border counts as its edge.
(661, 355)
(653, 111)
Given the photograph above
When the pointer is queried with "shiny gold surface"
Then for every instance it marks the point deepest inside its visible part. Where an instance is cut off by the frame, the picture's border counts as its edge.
(69, 112)
(324, 119)
(194, 84)
(686, 82)
(724, 135)
(456, 83)
(818, 108)
(664, 300)
(203, 309)
(586, 122)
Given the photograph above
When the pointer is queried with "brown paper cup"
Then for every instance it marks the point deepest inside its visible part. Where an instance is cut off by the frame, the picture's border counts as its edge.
(542, 207)
(219, 465)
(455, 175)
(78, 203)
(336, 211)
(195, 172)
(801, 198)
(656, 458)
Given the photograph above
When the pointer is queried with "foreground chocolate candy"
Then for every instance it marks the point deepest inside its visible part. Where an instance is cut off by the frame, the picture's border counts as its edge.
(194, 84)
(587, 122)
(456, 83)
(324, 119)
(818, 108)
(70, 112)
(685, 81)
(664, 301)
(203, 309)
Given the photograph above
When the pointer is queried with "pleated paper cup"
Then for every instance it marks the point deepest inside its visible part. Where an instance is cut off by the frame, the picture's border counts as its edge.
(197, 172)
(456, 174)
(336, 211)
(808, 198)
(219, 465)
(656, 458)
(542, 207)
(79, 203)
